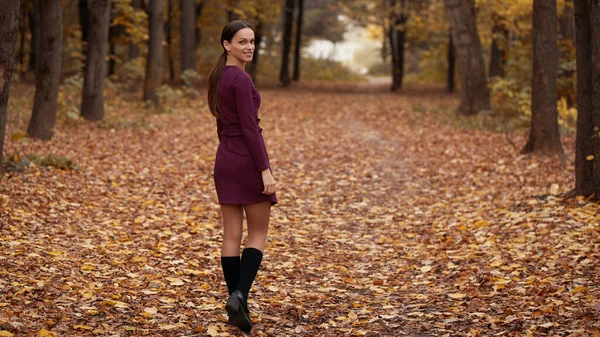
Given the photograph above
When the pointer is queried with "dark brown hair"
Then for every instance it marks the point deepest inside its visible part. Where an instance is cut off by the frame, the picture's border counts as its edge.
(227, 34)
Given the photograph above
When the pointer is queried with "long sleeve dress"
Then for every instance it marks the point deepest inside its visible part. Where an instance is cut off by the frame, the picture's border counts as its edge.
(242, 153)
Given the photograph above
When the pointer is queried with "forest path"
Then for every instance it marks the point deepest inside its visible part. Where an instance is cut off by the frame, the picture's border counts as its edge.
(390, 222)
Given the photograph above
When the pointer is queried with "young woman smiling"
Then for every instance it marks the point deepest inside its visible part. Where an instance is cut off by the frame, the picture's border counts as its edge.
(242, 171)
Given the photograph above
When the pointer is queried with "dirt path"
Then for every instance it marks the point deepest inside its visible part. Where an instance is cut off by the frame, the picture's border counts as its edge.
(390, 223)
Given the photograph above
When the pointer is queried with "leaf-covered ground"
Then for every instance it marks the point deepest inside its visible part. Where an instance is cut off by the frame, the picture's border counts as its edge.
(392, 222)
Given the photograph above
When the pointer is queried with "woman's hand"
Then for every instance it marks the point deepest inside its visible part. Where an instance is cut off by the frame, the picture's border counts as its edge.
(268, 182)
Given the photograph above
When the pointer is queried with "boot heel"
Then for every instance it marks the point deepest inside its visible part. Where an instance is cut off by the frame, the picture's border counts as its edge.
(232, 306)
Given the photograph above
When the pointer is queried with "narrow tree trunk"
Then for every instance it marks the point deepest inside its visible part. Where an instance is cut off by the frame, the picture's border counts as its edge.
(400, 64)
(22, 35)
(397, 40)
(258, 36)
(544, 137)
(595, 111)
(587, 149)
(298, 49)
(188, 26)
(475, 94)
(9, 24)
(566, 32)
(451, 65)
(92, 103)
(155, 52)
(34, 27)
(393, 42)
(84, 19)
(169, 31)
(284, 75)
(134, 51)
(497, 53)
(47, 75)
(567, 21)
(198, 35)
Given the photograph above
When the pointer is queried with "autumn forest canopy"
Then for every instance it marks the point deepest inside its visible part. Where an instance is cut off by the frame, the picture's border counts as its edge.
(437, 167)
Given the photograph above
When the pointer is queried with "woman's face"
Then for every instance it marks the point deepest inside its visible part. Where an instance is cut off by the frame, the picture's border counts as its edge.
(242, 45)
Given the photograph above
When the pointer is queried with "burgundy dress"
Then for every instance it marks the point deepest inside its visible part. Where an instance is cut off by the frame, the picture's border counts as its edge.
(242, 153)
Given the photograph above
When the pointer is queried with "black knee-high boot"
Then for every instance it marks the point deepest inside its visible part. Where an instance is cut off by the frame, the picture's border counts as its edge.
(237, 303)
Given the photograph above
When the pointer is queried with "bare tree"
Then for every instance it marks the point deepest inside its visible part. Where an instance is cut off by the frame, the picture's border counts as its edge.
(155, 52)
(84, 19)
(169, 37)
(566, 21)
(451, 57)
(587, 153)
(34, 27)
(134, 51)
(9, 24)
(92, 104)
(475, 94)
(22, 37)
(47, 74)
(188, 34)
(298, 49)
(397, 37)
(284, 75)
(544, 137)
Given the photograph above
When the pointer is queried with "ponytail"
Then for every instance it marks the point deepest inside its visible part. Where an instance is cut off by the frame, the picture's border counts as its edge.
(213, 83)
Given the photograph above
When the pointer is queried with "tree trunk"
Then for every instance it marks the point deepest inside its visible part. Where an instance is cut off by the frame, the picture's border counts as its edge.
(84, 19)
(587, 149)
(169, 31)
(258, 36)
(566, 50)
(113, 33)
(155, 52)
(284, 75)
(298, 49)
(397, 40)
(567, 21)
(393, 39)
(544, 137)
(134, 51)
(475, 94)
(92, 100)
(22, 35)
(47, 74)
(34, 27)
(198, 35)
(497, 53)
(188, 36)
(451, 65)
(9, 24)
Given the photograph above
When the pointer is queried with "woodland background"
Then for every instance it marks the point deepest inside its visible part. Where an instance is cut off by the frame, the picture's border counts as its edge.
(439, 180)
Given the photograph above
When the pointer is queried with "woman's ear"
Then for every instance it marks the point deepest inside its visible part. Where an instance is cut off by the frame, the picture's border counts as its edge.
(226, 45)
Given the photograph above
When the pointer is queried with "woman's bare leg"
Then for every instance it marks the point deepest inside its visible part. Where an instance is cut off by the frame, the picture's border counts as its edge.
(257, 216)
(230, 250)
(232, 229)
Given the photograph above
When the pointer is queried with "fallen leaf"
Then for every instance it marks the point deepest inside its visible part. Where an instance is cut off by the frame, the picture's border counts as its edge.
(457, 296)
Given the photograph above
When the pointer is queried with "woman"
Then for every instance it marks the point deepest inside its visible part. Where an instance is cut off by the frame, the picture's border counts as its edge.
(242, 173)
